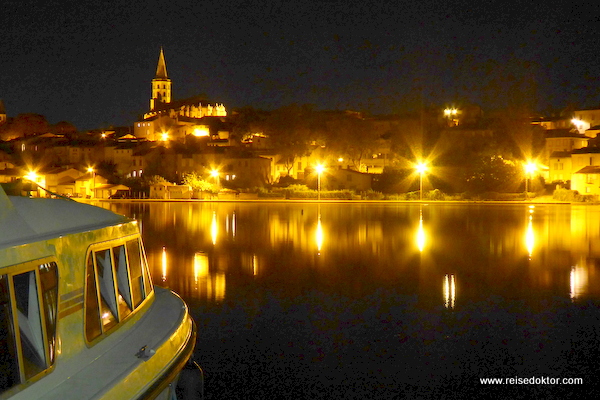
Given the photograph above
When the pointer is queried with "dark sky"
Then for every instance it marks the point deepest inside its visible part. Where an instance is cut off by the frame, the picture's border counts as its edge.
(91, 63)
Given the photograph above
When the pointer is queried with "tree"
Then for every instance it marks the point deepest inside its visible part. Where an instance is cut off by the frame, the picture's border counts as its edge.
(352, 137)
(493, 174)
(196, 182)
(64, 128)
(292, 130)
(248, 121)
(25, 125)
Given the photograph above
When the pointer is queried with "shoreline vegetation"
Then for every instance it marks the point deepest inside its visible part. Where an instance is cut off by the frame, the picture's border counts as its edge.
(559, 196)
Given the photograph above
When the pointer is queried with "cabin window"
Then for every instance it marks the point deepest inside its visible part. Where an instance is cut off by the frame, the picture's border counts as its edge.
(28, 309)
(117, 282)
(106, 282)
(9, 363)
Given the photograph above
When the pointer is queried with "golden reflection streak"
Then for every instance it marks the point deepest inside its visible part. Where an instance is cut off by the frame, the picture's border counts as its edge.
(578, 280)
(449, 290)
(214, 230)
(319, 236)
(529, 235)
(233, 224)
(254, 265)
(421, 233)
(200, 266)
(164, 264)
(220, 286)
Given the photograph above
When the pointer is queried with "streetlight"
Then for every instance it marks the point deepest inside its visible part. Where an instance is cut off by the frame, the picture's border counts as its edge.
(530, 168)
(32, 176)
(421, 168)
(93, 172)
(319, 168)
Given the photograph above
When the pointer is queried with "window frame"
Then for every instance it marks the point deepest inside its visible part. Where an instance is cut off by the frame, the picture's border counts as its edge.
(146, 284)
(42, 309)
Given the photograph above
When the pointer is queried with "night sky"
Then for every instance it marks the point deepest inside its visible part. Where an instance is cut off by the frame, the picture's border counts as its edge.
(91, 63)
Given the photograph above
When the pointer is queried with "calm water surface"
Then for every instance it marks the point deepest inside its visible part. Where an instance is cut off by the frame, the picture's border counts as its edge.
(381, 300)
(447, 255)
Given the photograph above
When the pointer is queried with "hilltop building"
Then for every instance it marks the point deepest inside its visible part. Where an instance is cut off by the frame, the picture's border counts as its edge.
(2, 113)
(175, 119)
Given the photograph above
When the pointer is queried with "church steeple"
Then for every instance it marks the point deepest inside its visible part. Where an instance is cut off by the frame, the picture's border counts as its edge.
(161, 68)
(161, 84)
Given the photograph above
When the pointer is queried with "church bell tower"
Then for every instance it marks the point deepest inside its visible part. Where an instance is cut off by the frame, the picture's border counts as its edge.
(161, 84)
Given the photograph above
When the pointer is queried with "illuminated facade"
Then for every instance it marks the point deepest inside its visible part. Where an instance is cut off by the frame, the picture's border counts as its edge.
(585, 177)
(2, 113)
(559, 145)
(176, 118)
(586, 120)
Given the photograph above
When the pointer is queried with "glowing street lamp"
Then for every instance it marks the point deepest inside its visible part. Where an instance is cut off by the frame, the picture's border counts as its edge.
(319, 168)
(450, 111)
(530, 168)
(32, 176)
(421, 169)
(93, 172)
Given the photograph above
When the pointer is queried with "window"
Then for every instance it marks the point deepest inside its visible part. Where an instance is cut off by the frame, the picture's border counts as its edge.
(590, 178)
(117, 282)
(28, 310)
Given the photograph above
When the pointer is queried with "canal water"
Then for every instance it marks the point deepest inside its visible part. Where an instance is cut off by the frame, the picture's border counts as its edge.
(381, 300)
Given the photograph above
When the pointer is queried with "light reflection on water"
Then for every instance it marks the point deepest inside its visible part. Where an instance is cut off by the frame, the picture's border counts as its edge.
(447, 255)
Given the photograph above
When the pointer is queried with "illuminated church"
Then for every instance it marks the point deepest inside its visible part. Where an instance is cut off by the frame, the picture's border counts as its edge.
(168, 119)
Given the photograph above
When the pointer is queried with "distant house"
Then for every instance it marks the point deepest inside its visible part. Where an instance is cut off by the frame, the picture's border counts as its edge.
(168, 190)
(10, 174)
(587, 180)
(6, 164)
(347, 179)
(560, 166)
(61, 180)
(107, 191)
(86, 185)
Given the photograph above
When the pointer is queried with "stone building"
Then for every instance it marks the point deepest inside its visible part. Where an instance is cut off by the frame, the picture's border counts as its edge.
(171, 119)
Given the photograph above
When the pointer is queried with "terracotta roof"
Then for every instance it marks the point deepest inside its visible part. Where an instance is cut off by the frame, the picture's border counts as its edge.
(560, 154)
(590, 169)
(565, 132)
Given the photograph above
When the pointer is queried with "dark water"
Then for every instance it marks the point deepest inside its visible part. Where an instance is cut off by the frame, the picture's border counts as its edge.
(382, 300)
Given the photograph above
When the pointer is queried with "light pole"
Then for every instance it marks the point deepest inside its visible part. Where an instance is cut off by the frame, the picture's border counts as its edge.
(215, 174)
(530, 168)
(93, 172)
(421, 168)
(319, 168)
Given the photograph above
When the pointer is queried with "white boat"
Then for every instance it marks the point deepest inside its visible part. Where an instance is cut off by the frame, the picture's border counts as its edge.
(79, 315)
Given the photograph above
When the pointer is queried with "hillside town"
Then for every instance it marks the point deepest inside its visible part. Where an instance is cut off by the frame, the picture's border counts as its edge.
(182, 148)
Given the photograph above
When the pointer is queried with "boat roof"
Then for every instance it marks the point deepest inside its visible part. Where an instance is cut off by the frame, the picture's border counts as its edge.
(26, 220)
